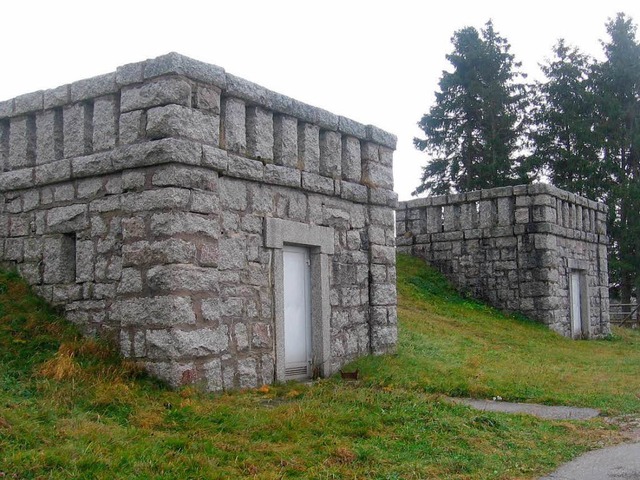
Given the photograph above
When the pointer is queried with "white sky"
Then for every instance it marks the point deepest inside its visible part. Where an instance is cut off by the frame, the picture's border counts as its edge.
(376, 62)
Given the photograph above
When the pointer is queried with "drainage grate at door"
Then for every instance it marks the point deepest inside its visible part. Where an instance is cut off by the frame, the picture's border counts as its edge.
(296, 371)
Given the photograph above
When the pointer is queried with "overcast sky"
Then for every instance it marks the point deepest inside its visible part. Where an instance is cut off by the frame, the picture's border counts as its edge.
(376, 62)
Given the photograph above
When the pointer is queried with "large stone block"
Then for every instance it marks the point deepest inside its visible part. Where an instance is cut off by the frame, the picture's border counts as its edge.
(261, 336)
(85, 261)
(452, 216)
(33, 248)
(174, 373)
(130, 281)
(386, 156)
(382, 196)
(30, 272)
(28, 102)
(370, 152)
(22, 143)
(163, 252)
(173, 223)
(163, 198)
(245, 168)
(232, 253)
(234, 125)
(354, 192)
(296, 210)
(208, 99)
(132, 228)
(383, 254)
(168, 150)
(53, 172)
(309, 147)
(48, 136)
(174, 63)
(317, 183)
(6, 108)
(547, 214)
(505, 212)
(488, 213)
(56, 97)
(174, 343)
(89, 187)
(285, 147)
(4, 144)
(215, 158)
(183, 122)
(204, 202)
(16, 179)
(182, 277)
(152, 311)
(72, 218)
(351, 159)
(381, 137)
(213, 374)
(158, 92)
(351, 127)
(384, 339)
(30, 200)
(19, 225)
(259, 130)
(105, 121)
(247, 373)
(110, 203)
(131, 127)
(93, 87)
(377, 175)
(330, 154)
(382, 216)
(76, 129)
(281, 175)
(233, 194)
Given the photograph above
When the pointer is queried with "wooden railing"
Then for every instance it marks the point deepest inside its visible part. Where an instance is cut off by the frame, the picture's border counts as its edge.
(624, 314)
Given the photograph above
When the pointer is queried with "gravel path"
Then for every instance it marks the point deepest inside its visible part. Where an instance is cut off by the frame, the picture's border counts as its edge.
(542, 411)
(620, 462)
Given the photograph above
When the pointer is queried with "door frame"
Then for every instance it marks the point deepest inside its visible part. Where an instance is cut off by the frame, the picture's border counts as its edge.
(320, 242)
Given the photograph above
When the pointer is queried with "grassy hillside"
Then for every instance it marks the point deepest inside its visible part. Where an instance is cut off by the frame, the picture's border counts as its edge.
(70, 408)
(460, 347)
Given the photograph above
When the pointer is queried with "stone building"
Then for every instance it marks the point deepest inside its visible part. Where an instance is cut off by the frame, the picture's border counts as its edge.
(532, 249)
(219, 232)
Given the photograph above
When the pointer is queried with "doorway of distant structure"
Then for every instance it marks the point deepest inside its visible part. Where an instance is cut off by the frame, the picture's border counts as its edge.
(297, 312)
(579, 306)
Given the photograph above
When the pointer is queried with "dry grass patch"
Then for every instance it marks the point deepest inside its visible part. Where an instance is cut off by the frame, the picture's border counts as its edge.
(61, 367)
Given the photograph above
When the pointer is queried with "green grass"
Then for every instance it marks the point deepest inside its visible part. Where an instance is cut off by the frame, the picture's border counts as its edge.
(70, 408)
(452, 345)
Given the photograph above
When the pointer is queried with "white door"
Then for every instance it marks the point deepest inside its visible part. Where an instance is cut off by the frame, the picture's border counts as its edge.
(297, 312)
(576, 304)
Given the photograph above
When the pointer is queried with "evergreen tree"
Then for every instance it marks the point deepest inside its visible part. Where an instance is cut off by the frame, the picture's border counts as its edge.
(473, 130)
(617, 88)
(565, 147)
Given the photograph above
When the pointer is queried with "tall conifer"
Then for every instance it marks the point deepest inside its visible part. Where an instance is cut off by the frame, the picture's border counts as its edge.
(472, 132)
(617, 89)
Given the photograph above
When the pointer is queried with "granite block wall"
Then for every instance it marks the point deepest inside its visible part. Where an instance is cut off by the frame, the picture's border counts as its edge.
(141, 201)
(516, 247)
